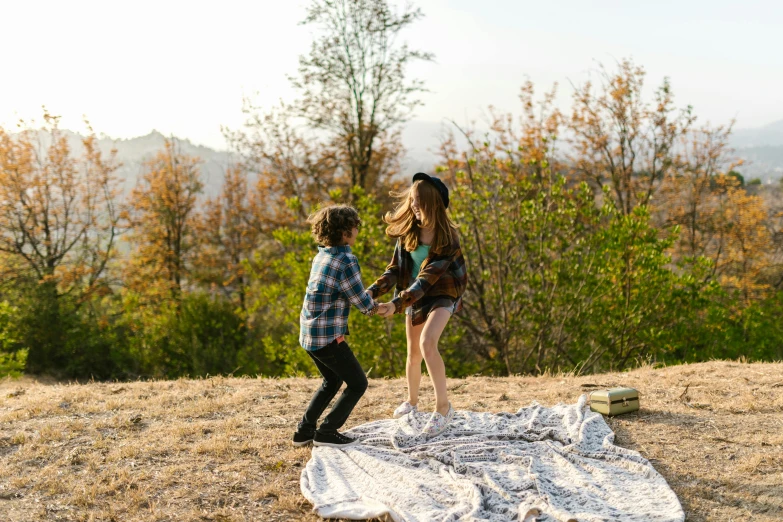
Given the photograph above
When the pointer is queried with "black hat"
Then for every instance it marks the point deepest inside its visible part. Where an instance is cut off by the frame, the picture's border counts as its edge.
(438, 184)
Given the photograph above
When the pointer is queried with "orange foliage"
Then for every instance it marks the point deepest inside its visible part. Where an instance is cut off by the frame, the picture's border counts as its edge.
(228, 233)
(745, 241)
(688, 197)
(623, 142)
(162, 221)
(58, 214)
(523, 150)
(718, 219)
(293, 171)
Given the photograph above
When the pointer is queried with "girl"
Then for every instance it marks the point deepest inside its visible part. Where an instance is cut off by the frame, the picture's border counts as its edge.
(429, 276)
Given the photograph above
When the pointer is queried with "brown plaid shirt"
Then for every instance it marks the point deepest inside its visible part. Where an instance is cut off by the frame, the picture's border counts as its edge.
(441, 275)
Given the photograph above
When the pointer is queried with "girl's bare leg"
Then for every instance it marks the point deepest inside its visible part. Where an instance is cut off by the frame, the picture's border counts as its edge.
(413, 363)
(430, 335)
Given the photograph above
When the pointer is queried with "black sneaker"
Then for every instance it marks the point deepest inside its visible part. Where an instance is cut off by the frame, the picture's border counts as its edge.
(302, 438)
(333, 440)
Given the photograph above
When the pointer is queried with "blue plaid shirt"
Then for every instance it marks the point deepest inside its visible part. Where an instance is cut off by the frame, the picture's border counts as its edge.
(335, 283)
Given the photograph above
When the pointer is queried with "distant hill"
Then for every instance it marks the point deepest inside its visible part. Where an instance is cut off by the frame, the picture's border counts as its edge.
(420, 139)
(768, 135)
(133, 152)
(764, 162)
(762, 149)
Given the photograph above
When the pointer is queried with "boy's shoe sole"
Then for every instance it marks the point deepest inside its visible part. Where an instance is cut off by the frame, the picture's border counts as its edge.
(333, 440)
(300, 444)
(335, 445)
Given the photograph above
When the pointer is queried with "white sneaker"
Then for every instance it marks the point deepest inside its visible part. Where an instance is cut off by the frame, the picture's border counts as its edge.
(403, 409)
(438, 423)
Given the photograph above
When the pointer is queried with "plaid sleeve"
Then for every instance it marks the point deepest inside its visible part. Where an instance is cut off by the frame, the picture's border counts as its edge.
(389, 278)
(428, 276)
(353, 288)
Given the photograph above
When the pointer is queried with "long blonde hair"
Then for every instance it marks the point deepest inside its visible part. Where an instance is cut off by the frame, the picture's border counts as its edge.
(403, 223)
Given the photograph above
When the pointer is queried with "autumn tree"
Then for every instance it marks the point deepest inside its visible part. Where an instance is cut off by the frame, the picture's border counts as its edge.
(622, 141)
(717, 216)
(228, 234)
(162, 222)
(742, 253)
(557, 283)
(58, 230)
(503, 182)
(523, 147)
(559, 278)
(775, 227)
(687, 196)
(292, 171)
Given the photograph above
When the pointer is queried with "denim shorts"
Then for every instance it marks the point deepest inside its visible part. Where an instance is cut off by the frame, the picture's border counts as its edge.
(452, 309)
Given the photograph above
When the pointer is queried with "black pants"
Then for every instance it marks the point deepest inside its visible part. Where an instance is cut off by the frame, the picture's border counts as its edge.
(337, 364)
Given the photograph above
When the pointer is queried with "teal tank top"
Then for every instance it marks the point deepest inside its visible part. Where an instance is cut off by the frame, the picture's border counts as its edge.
(419, 255)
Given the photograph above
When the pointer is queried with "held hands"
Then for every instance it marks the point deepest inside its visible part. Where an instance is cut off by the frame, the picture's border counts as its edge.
(386, 309)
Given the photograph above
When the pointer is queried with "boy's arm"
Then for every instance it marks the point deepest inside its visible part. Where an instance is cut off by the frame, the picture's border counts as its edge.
(428, 276)
(389, 278)
(352, 286)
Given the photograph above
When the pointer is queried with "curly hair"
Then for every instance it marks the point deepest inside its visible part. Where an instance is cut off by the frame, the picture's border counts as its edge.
(329, 223)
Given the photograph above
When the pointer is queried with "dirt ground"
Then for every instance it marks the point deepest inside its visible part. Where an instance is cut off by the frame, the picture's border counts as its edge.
(218, 449)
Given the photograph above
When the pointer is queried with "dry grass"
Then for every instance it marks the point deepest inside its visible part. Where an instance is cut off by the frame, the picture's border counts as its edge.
(218, 449)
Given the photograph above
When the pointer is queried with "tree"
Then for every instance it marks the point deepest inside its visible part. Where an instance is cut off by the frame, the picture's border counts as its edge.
(641, 297)
(775, 226)
(558, 279)
(353, 82)
(293, 171)
(746, 244)
(622, 141)
(556, 283)
(228, 234)
(162, 222)
(354, 97)
(515, 220)
(718, 219)
(687, 196)
(12, 356)
(58, 224)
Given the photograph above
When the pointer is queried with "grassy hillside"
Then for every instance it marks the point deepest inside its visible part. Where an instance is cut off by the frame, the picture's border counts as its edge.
(218, 449)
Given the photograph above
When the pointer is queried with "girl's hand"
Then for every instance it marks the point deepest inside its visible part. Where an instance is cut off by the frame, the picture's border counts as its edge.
(386, 309)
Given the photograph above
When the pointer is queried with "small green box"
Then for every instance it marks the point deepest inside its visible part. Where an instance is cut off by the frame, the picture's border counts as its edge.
(614, 401)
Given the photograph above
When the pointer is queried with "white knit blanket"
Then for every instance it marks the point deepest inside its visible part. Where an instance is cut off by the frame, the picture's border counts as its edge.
(542, 464)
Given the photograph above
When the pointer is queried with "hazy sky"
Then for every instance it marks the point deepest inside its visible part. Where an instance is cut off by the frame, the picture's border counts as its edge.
(183, 67)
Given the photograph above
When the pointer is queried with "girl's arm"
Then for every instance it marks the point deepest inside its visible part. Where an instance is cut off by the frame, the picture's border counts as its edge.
(389, 278)
(428, 276)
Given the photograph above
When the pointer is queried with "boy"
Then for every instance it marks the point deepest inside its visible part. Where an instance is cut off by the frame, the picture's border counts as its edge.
(335, 284)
